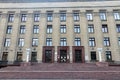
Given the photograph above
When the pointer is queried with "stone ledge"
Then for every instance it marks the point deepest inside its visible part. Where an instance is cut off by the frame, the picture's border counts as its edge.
(102, 64)
(25, 64)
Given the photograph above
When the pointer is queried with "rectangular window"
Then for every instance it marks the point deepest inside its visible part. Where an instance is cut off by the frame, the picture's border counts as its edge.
(116, 15)
(76, 16)
(63, 42)
(9, 29)
(23, 17)
(63, 29)
(62, 16)
(92, 42)
(21, 42)
(48, 41)
(19, 56)
(119, 41)
(76, 28)
(35, 42)
(7, 42)
(89, 16)
(22, 29)
(103, 15)
(5, 56)
(108, 56)
(11, 18)
(49, 16)
(104, 28)
(118, 28)
(77, 42)
(91, 28)
(35, 29)
(49, 29)
(106, 41)
(36, 17)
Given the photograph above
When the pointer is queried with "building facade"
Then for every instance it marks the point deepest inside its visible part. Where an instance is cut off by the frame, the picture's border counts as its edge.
(63, 32)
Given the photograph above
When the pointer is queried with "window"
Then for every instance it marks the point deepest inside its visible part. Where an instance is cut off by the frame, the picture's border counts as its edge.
(21, 42)
(93, 56)
(63, 42)
(103, 16)
(108, 56)
(104, 28)
(89, 16)
(76, 16)
(19, 56)
(35, 29)
(34, 57)
(106, 41)
(77, 42)
(22, 29)
(49, 16)
(90, 28)
(11, 18)
(118, 28)
(116, 15)
(5, 56)
(7, 42)
(119, 41)
(35, 42)
(23, 17)
(48, 41)
(9, 29)
(92, 42)
(49, 28)
(76, 28)
(36, 17)
(63, 29)
(62, 16)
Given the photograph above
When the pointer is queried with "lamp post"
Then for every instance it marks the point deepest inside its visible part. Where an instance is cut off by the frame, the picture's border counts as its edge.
(28, 54)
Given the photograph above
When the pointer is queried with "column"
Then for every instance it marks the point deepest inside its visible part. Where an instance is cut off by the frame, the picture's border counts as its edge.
(84, 33)
(3, 24)
(56, 32)
(70, 33)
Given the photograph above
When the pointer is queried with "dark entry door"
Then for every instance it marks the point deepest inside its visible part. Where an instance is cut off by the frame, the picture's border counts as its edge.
(63, 56)
(48, 56)
(78, 55)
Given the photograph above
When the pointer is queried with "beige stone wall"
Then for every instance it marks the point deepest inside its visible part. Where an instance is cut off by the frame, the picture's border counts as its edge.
(29, 8)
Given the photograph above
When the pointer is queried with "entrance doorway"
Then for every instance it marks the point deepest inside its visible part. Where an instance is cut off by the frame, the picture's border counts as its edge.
(78, 56)
(48, 56)
(63, 56)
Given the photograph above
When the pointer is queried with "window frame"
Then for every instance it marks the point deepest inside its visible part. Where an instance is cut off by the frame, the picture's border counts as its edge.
(35, 29)
(106, 41)
(63, 42)
(90, 28)
(63, 29)
(77, 29)
(92, 42)
(77, 41)
(34, 42)
(48, 41)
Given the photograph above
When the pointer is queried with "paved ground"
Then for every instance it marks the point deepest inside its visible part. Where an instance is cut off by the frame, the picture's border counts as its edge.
(60, 72)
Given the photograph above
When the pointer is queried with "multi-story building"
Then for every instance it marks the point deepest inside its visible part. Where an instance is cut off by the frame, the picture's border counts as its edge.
(59, 30)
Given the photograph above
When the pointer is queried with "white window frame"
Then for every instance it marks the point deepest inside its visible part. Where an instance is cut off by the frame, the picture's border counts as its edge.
(7, 42)
(21, 42)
